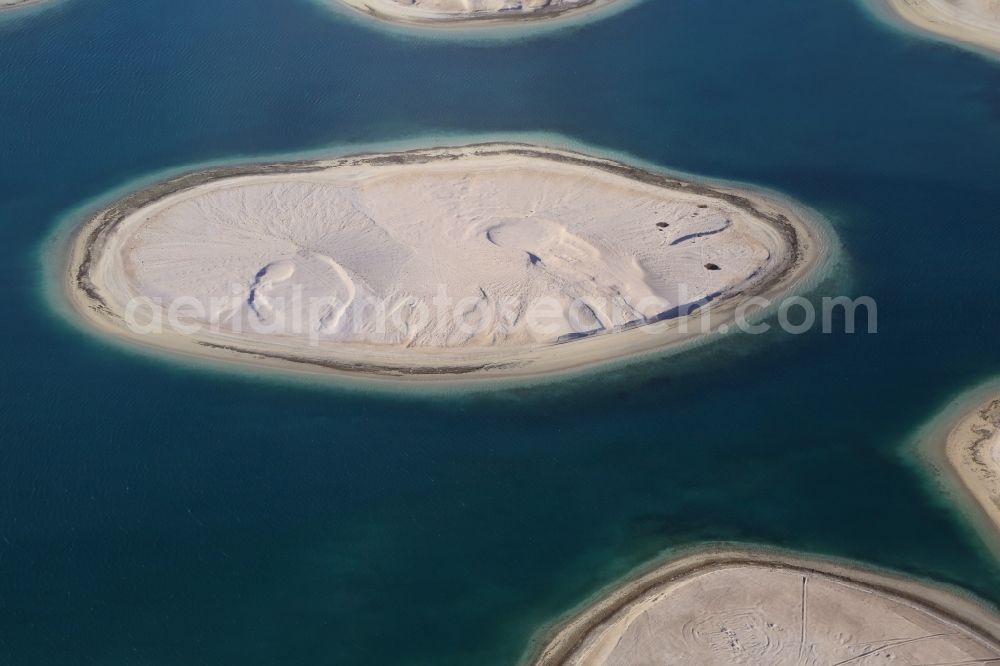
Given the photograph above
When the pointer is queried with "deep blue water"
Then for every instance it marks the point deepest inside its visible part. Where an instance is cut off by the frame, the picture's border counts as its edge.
(154, 514)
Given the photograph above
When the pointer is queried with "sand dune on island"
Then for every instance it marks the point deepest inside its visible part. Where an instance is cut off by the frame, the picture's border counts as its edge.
(761, 607)
(970, 22)
(492, 259)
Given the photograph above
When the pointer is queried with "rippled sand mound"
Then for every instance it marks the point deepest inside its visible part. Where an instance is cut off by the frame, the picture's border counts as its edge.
(746, 608)
(435, 261)
(973, 22)
(494, 238)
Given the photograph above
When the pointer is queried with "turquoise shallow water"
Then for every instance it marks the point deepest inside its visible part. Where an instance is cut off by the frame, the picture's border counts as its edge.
(152, 513)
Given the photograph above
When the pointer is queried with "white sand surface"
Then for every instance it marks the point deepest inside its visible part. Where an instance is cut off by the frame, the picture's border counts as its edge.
(972, 22)
(487, 259)
(470, 13)
(755, 608)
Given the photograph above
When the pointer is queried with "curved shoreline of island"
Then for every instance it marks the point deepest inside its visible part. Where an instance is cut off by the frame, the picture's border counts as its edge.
(971, 25)
(455, 18)
(961, 447)
(649, 612)
(808, 247)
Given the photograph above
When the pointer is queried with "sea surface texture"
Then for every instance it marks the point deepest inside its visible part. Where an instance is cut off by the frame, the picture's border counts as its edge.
(155, 513)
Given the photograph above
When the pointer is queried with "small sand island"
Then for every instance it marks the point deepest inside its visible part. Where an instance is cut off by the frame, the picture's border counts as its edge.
(13, 4)
(488, 259)
(963, 446)
(472, 13)
(759, 607)
(971, 22)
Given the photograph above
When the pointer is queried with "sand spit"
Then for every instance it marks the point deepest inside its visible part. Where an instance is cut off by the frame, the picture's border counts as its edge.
(472, 13)
(761, 607)
(482, 260)
(969, 22)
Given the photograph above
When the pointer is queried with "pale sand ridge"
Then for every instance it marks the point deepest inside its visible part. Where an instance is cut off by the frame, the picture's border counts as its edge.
(550, 260)
(970, 22)
(717, 608)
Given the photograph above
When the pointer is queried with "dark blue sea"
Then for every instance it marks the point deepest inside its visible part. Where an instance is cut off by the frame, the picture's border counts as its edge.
(158, 514)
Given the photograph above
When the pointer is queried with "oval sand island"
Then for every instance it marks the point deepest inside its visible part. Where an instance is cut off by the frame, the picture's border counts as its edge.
(970, 22)
(472, 13)
(760, 607)
(483, 260)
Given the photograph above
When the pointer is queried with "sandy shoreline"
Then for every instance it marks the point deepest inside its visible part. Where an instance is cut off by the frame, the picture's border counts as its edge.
(719, 605)
(974, 23)
(962, 448)
(807, 249)
(453, 14)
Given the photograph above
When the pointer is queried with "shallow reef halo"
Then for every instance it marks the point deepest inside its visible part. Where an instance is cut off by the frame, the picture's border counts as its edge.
(830, 269)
